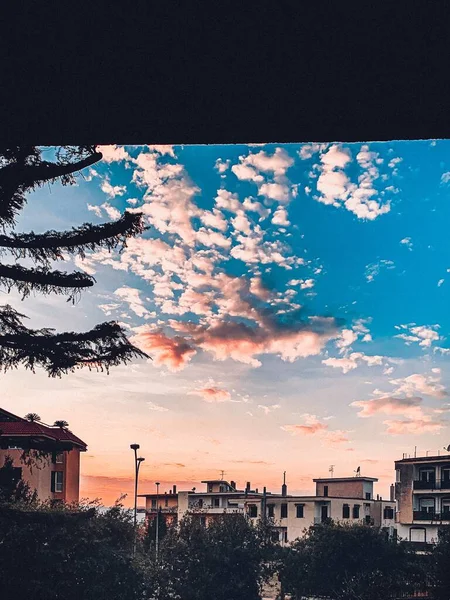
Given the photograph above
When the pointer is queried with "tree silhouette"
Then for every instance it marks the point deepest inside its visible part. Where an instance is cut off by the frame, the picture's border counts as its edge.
(23, 169)
(32, 417)
(62, 424)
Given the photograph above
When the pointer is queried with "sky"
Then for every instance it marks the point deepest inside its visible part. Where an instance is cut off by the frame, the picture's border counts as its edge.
(293, 299)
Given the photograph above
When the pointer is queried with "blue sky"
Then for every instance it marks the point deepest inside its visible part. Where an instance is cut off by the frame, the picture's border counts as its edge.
(293, 298)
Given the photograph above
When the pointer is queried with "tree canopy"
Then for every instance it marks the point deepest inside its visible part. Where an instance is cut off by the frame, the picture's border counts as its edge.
(22, 170)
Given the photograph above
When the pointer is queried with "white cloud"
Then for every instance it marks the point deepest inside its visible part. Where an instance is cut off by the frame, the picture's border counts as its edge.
(373, 270)
(268, 409)
(407, 242)
(350, 362)
(335, 187)
(132, 298)
(424, 335)
(113, 153)
(157, 407)
(112, 190)
(163, 149)
(280, 217)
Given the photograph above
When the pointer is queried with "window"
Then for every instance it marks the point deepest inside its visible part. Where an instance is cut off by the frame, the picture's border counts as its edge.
(284, 511)
(368, 496)
(325, 490)
(216, 502)
(426, 505)
(271, 510)
(300, 511)
(222, 488)
(166, 501)
(397, 475)
(153, 502)
(356, 508)
(346, 511)
(253, 511)
(427, 474)
(445, 503)
(388, 512)
(210, 488)
(57, 481)
(200, 503)
(57, 457)
(417, 534)
(445, 474)
(285, 537)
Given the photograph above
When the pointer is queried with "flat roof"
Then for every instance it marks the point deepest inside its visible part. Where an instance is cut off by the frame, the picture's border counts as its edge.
(328, 479)
(424, 459)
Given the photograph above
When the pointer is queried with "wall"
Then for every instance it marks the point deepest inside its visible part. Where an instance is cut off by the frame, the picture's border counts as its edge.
(72, 475)
(342, 489)
(38, 477)
(403, 493)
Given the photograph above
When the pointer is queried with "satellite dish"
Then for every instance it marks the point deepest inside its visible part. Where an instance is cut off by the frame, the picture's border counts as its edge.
(447, 449)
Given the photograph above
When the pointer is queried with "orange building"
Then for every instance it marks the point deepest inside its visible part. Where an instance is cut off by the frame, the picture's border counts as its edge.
(54, 471)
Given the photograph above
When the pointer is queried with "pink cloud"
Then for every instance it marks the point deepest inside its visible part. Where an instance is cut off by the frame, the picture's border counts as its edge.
(389, 405)
(314, 427)
(174, 353)
(212, 394)
(413, 426)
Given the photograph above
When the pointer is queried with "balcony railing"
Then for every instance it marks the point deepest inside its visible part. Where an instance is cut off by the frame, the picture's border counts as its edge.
(163, 509)
(423, 515)
(438, 484)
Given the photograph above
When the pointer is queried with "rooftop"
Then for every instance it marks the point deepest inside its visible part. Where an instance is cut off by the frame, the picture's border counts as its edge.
(424, 459)
(14, 429)
(355, 478)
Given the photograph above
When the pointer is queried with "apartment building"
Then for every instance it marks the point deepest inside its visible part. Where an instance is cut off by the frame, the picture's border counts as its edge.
(422, 492)
(56, 475)
(346, 499)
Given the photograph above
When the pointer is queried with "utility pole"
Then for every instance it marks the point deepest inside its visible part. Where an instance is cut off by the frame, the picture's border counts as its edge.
(137, 464)
(157, 521)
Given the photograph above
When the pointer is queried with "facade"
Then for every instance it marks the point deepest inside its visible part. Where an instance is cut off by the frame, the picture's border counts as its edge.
(349, 500)
(55, 471)
(422, 492)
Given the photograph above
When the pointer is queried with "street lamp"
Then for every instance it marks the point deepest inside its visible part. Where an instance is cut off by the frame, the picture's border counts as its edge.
(137, 464)
(157, 519)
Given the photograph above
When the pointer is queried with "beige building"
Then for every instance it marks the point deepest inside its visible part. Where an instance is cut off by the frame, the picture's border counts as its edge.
(345, 499)
(56, 475)
(422, 492)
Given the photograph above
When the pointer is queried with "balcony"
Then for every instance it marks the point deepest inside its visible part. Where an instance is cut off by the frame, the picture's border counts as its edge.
(434, 484)
(165, 510)
(423, 515)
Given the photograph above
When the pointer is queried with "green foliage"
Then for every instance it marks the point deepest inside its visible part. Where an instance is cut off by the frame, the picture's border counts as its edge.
(348, 562)
(441, 561)
(222, 561)
(67, 553)
(12, 487)
(149, 541)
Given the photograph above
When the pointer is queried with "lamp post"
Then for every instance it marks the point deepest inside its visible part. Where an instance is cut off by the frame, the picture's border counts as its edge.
(157, 520)
(137, 464)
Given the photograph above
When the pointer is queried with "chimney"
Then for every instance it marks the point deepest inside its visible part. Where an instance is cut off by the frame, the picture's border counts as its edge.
(256, 490)
(247, 488)
(170, 492)
(392, 495)
(284, 486)
(174, 489)
(378, 496)
(233, 484)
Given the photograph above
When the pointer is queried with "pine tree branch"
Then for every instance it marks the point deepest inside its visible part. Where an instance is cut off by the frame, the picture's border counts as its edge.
(19, 176)
(104, 346)
(43, 281)
(51, 245)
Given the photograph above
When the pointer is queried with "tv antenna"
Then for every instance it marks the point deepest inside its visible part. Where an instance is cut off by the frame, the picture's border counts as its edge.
(222, 473)
(358, 472)
(331, 470)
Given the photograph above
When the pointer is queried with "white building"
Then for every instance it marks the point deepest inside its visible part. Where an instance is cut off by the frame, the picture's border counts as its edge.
(345, 499)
